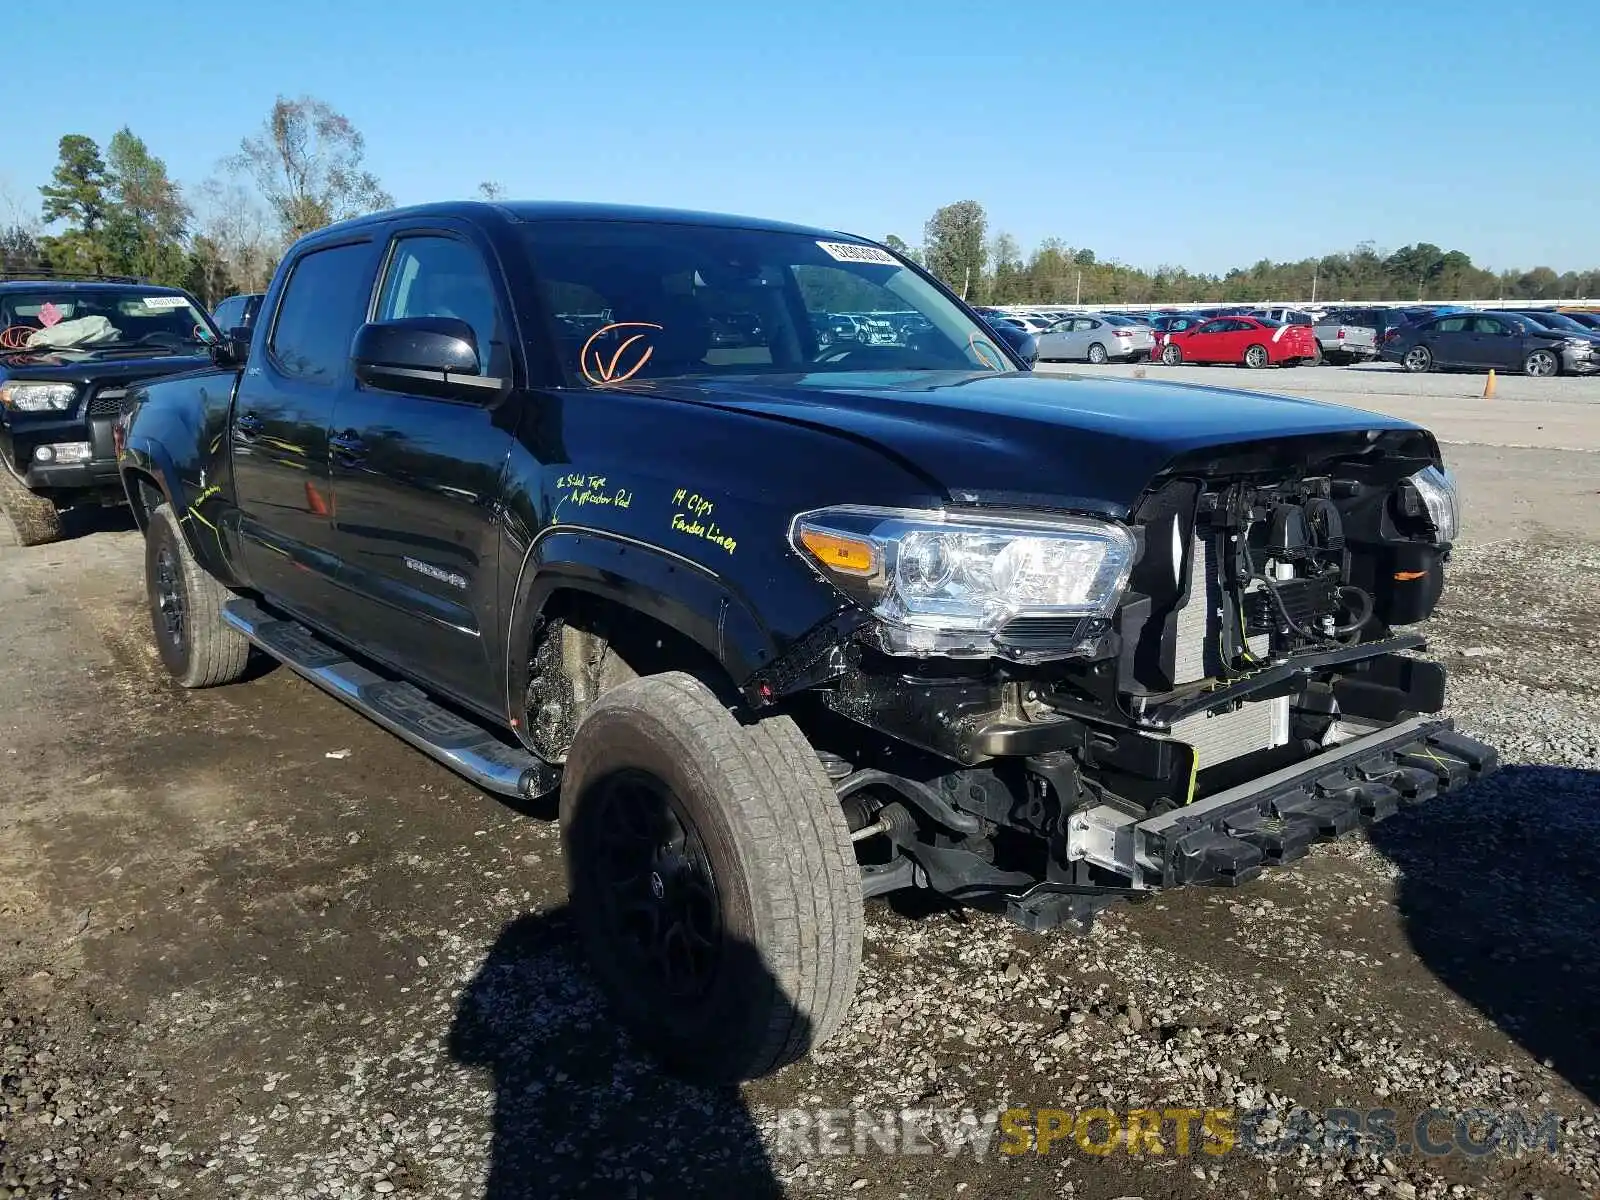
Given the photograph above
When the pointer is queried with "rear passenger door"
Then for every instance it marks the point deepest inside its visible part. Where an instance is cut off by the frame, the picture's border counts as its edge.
(417, 479)
(279, 430)
(1450, 340)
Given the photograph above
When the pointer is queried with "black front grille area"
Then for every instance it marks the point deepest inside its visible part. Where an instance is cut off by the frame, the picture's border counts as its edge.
(107, 402)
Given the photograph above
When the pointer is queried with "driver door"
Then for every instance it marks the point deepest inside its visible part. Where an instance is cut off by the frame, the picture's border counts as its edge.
(1203, 345)
(1494, 343)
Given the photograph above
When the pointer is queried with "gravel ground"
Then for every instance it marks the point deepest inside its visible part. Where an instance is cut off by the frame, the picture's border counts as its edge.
(256, 948)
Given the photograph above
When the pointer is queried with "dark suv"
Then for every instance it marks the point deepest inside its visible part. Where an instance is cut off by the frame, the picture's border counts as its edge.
(69, 349)
(237, 312)
(790, 626)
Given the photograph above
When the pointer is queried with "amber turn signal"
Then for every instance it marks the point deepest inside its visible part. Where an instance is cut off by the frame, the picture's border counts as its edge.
(851, 556)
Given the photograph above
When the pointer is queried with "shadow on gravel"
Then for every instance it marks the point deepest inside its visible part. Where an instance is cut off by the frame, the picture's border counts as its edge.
(578, 1110)
(1500, 895)
(93, 518)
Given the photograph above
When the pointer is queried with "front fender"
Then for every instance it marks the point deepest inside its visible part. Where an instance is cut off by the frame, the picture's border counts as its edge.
(197, 511)
(682, 594)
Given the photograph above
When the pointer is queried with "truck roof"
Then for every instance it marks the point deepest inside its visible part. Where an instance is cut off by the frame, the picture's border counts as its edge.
(531, 211)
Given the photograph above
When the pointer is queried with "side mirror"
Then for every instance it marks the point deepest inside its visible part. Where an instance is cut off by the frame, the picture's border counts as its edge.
(1023, 343)
(233, 348)
(428, 356)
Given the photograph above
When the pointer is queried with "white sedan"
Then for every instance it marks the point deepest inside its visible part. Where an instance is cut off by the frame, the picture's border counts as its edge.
(1096, 338)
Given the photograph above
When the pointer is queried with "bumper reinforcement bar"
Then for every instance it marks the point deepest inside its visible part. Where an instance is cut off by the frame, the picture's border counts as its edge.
(1227, 838)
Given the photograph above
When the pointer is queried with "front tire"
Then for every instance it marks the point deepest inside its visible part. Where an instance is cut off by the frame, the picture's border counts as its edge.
(1541, 364)
(712, 879)
(198, 648)
(1171, 355)
(1256, 357)
(1097, 354)
(34, 520)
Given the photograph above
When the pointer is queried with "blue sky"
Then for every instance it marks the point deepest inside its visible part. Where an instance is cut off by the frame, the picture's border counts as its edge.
(1203, 134)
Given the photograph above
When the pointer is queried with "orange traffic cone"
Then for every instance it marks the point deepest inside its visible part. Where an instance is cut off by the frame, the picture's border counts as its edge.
(1488, 386)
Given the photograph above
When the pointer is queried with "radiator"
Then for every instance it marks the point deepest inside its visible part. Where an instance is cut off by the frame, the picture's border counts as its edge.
(1218, 737)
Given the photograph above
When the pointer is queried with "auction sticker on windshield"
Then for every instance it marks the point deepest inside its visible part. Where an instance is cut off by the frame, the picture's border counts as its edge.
(166, 302)
(848, 252)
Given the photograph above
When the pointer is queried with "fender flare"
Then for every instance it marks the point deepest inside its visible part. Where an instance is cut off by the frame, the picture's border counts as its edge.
(682, 594)
(149, 458)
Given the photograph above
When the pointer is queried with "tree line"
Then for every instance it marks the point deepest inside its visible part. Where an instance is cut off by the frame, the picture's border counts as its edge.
(116, 211)
(958, 247)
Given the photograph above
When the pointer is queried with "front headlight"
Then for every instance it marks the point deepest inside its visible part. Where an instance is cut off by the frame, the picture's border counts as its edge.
(37, 397)
(949, 583)
(1437, 487)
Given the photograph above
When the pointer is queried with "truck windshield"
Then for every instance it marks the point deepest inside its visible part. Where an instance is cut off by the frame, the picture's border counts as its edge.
(650, 300)
(100, 319)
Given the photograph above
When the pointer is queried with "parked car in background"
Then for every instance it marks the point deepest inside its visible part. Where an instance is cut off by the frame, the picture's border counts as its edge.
(1478, 341)
(1169, 323)
(1252, 341)
(1096, 338)
(1284, 316)
(1027, 321)
(1560, 322)
(237, 312)
(1589, 320)
(1341, 341)
(875, 331)
(1376, 318)
(69, 352)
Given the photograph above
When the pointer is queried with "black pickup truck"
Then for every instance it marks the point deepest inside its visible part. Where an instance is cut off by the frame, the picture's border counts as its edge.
(788, 625)
(69, 349)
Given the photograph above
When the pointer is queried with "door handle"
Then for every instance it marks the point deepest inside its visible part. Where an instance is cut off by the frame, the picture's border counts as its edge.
(248, 425)
(347, 447)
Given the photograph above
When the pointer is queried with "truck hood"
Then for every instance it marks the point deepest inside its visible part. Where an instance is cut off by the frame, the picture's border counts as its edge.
(1055, 441)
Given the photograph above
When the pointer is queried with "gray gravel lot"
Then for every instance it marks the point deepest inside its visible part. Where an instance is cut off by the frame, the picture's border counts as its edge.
(235, 966)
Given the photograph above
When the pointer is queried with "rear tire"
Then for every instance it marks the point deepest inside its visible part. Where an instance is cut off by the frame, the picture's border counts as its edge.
(1097, 354)
(1256, 357)
(34, 520)
(1417, 360)
(712, 879)
(1318, 358)
(1171, 355)
(198, 648)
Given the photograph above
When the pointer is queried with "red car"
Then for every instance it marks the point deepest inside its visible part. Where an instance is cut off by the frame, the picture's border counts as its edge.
(1252, 341)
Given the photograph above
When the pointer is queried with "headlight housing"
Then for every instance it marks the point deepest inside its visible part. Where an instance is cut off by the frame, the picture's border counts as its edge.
(944, 583)
(1437, 487)
(38, 397)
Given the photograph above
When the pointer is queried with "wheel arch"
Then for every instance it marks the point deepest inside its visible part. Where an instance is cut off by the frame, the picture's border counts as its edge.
(709, 621)
(149, 477)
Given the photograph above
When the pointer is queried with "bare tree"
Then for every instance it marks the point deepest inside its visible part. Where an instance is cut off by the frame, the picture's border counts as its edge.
(231, 221)
(490, 190)
(307, 160)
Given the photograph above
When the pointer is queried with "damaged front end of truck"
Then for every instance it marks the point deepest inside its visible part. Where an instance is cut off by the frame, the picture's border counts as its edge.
(1050, 712)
